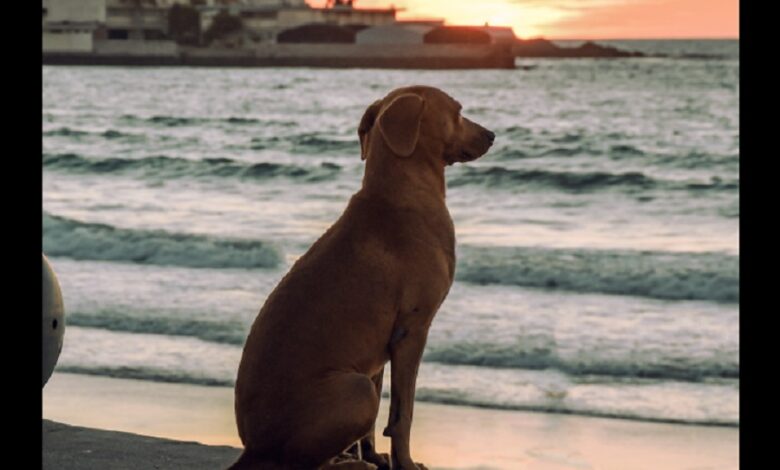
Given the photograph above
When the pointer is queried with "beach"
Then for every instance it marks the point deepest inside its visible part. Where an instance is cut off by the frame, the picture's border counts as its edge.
(443, 436)
(593, 322)
(597, 241)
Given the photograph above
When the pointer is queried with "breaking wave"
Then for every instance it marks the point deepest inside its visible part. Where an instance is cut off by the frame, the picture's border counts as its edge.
(527, 353)
(167, 167)
(661, 275)
(86, 241)
(499, 177)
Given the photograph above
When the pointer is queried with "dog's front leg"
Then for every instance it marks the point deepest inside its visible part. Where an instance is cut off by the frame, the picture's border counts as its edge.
(406, 350)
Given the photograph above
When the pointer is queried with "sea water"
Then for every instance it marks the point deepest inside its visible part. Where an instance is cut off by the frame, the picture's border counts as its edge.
(597, 241)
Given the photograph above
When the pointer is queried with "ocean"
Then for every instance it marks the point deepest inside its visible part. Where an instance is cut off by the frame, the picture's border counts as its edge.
(597, 241)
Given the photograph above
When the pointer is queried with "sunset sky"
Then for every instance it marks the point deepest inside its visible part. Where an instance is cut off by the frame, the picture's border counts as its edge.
(581, 19)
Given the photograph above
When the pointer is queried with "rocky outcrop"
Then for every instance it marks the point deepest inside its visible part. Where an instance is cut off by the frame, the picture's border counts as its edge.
(546, 48)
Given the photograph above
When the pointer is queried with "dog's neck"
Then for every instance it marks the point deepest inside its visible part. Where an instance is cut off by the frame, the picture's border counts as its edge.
(406, 181)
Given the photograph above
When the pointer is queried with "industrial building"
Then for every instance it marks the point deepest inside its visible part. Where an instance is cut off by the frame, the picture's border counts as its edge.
(260, 32)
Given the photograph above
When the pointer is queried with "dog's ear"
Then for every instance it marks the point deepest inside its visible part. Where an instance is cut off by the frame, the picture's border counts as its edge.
(366, 124)
(399, 123)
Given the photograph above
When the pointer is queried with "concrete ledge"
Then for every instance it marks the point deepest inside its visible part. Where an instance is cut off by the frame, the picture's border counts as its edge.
(309, 55)
(132, 47)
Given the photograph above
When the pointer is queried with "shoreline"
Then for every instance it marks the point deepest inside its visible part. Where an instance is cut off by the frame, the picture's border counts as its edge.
(443, 436)
(478, 406)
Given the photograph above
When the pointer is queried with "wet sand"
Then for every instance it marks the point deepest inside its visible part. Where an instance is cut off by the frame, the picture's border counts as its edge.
(443, 436)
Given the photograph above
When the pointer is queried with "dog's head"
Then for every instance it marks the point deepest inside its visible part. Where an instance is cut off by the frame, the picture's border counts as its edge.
(423, 116)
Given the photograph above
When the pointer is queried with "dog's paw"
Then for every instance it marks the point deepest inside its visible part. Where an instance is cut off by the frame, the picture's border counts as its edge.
(382, 461)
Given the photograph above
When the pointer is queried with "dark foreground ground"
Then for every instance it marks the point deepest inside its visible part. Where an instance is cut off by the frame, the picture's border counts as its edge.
(71, 447)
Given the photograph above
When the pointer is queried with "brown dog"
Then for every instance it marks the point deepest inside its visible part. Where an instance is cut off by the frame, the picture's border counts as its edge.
(366, 292)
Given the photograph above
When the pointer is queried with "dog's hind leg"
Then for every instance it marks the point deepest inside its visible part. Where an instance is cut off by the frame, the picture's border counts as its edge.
(365, 449)
(342, 410)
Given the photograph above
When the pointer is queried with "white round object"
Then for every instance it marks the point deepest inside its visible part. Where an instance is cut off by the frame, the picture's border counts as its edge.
(53, 321)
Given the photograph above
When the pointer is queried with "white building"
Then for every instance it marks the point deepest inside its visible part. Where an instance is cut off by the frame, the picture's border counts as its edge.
(107, 27)
(101, 26)
(130, 20)
(70, 25)
(75, 11)
(396, 33)
(500, 34)
(264, 19)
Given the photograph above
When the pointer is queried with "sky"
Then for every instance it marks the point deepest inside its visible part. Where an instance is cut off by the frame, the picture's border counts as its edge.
(581, 19)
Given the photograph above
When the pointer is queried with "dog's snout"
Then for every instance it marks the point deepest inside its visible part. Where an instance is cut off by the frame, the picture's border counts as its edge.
(489, 135)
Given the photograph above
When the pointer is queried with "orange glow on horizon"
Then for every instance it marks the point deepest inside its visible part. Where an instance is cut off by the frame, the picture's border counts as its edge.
(580, 19)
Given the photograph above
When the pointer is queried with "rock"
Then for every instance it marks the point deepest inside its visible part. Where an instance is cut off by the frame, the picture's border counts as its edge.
(544, 48)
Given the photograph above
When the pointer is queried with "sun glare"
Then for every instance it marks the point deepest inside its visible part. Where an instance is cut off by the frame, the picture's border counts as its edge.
(578, 18)
(526, 20)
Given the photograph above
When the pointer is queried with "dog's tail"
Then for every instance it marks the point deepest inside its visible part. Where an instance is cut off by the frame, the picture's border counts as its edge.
(251, 461)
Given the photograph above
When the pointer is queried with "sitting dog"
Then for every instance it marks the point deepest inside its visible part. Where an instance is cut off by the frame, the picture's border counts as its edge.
(365, 293)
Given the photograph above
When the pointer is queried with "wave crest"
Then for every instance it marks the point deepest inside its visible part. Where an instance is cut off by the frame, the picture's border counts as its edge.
(529, 355)
(661, 275)
(168, 167)
(86, 241)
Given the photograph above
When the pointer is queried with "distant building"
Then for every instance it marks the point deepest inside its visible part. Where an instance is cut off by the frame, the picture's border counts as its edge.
(457, 35)
(129, 27)
(317, 33)
(141, 27)
(263, 20)
(70, 25)
(74, 11)
(421, 22)
(137, 28)
(345, 15)
(396, 33)
(500, 34)
(137, 20)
